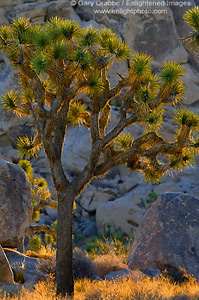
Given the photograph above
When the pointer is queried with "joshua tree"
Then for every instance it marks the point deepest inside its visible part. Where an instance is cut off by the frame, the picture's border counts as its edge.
(59, 59)
(191, 17)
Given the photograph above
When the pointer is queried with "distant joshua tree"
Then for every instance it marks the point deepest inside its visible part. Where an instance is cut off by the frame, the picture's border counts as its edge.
(59, 59)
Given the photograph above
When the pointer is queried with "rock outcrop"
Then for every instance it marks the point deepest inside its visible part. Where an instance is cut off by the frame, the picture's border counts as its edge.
(15, 204)
(123, 215)
(168, 237)
(19, 261)
(6, 274)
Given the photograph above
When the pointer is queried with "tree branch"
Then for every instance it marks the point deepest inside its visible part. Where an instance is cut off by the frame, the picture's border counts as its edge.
(122, 83)
(37, 228)
(123, 123)
(148, 146)
(43, 203)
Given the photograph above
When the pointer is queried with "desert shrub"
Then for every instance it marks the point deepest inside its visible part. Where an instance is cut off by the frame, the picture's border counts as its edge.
(177, 275)
(45, 252)
(109, 244)
(82, 265)
(107, 263)
(35, 242)
(152, 197)
(49, 240)
(47, 266)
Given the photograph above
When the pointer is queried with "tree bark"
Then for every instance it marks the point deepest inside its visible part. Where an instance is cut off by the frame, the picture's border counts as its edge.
(64, 255)
(64, 259)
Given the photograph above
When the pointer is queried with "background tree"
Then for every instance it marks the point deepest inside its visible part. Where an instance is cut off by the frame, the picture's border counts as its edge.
(191, 17)
(58, 60)
(41, 197)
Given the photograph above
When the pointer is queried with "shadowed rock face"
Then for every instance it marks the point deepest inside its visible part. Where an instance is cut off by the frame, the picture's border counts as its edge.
(6, 274)
(15, 204)
(168, 235)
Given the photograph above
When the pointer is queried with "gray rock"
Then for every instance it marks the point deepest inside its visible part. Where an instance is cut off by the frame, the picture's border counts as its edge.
(15, 204)
(6, 274)
(126, 272)
(18, 260)
(97, 199)
(152, 272)
(90, 230)
(76, 149)
(51, 212)
(167, 186)
(123, 214)
(168, 235)
(9, 288)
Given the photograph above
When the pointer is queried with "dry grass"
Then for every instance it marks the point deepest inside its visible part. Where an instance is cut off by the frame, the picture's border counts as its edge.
(45, 252)
(42, 291)
(124, 289)
(107, 263)
(132, 289)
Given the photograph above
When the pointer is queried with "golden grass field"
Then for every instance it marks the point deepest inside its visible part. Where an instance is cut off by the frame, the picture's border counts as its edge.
(124, 289)
(107, 257)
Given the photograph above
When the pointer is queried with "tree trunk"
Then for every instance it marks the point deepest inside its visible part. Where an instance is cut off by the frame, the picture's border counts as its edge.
(64, 260)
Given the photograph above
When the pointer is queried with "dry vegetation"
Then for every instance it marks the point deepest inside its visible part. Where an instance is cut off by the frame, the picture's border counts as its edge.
(127, 288)
(107, 258)
(107, 263)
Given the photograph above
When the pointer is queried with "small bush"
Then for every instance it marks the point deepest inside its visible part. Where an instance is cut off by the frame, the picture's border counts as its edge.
(47, 266)
(49, 239)
(83, 266)
(114, 244)
(45, 252)
(107, 263)
(35, 242)
(177, 275)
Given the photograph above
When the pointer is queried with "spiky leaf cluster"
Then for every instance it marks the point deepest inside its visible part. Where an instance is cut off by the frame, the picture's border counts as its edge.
(153, 120)
(40, 39)
(88, 37)
(35, 242)
(171, 72)
(76, 113)
(10, 101)
(172, 89)
(28, 147)
(27, 167)
(123, 141)
(110, 44)
(49, 239)
(191, 17)
(151, 175)
(95, 84)
(185, 117)
(140, 65)
(40, 64)
(182, 161)
(58, 51)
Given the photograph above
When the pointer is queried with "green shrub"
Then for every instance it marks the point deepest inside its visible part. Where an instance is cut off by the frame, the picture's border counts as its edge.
(35, 242)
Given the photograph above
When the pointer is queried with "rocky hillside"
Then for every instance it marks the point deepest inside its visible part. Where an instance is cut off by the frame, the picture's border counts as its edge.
(120, 199)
